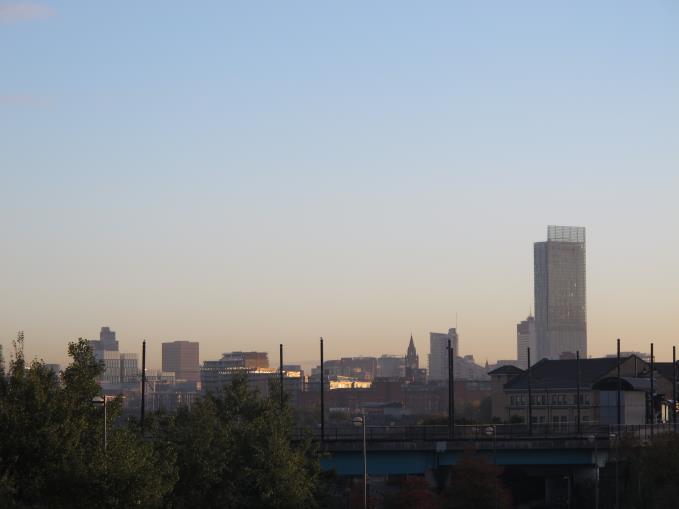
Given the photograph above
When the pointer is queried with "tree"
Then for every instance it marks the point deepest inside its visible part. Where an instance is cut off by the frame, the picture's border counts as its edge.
(650, 472)
(234, 450)
(51, 445)
(414, 493)
(474, 484)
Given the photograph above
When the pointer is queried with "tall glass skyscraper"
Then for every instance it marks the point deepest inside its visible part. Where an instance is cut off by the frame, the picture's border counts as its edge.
(560, 293)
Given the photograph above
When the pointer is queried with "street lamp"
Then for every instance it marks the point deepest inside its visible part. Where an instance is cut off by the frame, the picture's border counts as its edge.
(360, 421)
(492, 430)
(101, 401)
(592, 440)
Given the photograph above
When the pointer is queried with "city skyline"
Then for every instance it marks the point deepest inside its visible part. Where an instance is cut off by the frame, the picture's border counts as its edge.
(245, 176)
(505, 345)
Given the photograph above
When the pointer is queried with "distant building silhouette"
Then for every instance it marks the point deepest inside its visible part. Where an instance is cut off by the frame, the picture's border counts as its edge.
(119, 368)
(181, 358)
(525, 338)
(391, 366)
(252, 360)
(107, 341)
(560, 293)
(254, 366)
(360, 368)
(438, 353)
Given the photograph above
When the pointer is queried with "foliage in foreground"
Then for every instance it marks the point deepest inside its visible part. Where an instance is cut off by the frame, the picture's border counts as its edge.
(230, 450)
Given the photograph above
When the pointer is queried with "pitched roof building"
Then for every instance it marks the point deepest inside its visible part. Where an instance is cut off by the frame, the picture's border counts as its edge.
(555, 384)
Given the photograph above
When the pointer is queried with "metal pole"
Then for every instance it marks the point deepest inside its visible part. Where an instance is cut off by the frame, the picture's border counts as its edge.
(596, 479)
(280, 369)
(497, 502)
(451, 364)
(322, 394)
(451, 409)
(577, 395)
(365, 467)
(617, 461)
(105, 426)
(568, 483)
(619, 387)
(674, 388)
(530, 393)
(143, 384)
(652, 393)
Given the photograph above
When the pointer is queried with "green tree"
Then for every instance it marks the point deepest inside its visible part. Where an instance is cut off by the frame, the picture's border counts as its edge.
(51, 445)
(234, 450)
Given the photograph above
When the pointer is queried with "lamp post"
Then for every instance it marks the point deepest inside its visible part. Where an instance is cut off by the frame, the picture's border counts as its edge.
(99, 401)
(360, 421)
(492, 430)
(592, 439)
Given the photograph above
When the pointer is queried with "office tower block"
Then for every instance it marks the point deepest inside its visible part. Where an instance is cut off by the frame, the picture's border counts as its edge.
(560, 293)
(438, 353)
(525, 338)
(181, 358)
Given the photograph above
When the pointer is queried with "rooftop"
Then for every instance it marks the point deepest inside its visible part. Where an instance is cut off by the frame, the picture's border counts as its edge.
(560, 374)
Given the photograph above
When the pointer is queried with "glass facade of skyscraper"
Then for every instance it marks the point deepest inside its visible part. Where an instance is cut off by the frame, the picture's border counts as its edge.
(560, 293)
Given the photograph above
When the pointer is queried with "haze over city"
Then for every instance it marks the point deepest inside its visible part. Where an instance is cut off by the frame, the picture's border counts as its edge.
(272, 175)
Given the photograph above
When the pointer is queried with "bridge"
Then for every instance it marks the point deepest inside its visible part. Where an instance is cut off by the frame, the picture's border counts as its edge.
(400, 450)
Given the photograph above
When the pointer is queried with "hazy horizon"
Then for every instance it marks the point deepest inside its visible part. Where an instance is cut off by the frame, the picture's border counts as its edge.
(246, 175)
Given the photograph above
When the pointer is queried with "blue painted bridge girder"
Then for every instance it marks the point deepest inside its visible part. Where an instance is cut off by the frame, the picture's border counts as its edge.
(403, 461)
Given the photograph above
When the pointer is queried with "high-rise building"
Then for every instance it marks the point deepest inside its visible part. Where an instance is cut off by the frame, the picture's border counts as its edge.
(438, 353)
(181, 358)
(560, 293)
(525, 338)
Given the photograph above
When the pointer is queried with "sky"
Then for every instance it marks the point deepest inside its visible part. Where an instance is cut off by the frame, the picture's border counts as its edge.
(251, 173)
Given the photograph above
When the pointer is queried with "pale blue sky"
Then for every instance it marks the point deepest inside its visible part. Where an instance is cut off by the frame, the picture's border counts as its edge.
(246, 173)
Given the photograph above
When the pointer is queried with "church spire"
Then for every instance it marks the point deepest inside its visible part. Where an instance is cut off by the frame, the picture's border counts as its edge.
(412, 359)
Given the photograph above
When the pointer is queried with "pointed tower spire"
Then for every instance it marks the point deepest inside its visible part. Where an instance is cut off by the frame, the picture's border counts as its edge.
(412, 359)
